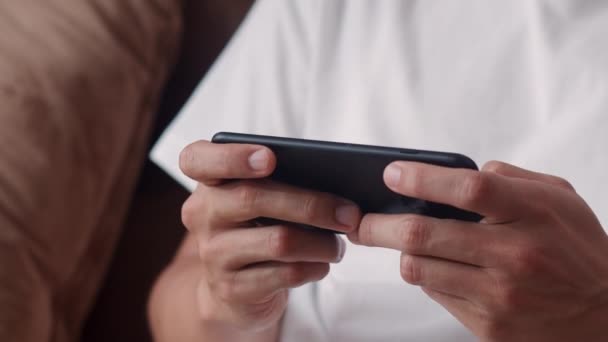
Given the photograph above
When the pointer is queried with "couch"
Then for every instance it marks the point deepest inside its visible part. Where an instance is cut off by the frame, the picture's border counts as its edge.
(86, 223)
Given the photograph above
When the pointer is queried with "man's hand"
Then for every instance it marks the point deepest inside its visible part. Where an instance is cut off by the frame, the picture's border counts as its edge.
(247, 266)
(535, 269)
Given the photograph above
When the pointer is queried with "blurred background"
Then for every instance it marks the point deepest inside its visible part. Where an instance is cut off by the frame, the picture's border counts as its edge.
(154, 215)
(87, 222)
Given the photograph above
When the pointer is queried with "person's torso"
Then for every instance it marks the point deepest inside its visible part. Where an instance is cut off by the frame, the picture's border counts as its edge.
(524, 82)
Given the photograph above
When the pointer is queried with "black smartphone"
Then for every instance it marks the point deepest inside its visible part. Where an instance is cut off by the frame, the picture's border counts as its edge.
(354, 172)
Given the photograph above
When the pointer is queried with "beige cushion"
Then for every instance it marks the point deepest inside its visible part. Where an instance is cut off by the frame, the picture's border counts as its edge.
(79, 81)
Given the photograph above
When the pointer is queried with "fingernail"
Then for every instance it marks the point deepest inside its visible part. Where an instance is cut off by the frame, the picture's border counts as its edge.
(341, 248)
(259, 160)
(392, 175)
(348, 215)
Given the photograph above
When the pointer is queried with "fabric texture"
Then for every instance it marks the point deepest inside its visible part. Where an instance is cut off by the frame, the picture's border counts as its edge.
(521, 81)
(79, 83)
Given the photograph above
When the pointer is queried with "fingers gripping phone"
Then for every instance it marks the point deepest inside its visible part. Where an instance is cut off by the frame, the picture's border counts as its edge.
(354, 172)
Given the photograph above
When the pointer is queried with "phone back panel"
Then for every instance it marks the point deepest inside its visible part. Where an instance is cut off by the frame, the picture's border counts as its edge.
(354, 172)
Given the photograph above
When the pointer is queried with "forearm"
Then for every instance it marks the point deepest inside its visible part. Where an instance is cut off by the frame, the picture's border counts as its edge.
(174, 314)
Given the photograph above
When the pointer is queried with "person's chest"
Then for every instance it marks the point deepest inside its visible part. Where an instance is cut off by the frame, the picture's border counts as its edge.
(522, 83)
(510, 85)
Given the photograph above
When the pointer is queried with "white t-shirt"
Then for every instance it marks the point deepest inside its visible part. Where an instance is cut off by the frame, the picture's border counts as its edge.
(523, 81)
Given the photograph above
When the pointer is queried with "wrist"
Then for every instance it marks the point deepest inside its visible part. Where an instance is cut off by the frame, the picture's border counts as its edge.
(223, 331)
(216, 323)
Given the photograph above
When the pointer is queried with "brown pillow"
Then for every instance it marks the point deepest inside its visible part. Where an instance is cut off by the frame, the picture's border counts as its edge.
(79, 81)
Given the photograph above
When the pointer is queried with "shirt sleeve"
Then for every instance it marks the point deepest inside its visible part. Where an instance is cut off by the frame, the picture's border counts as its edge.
(258, 84)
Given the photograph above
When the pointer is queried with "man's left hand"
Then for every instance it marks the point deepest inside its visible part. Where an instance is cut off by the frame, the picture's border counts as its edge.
(535, 269)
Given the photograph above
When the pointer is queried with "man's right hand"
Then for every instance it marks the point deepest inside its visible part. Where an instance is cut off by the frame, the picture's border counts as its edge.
(247, 267)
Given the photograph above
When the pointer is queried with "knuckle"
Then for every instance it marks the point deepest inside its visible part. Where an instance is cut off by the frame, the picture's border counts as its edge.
(411, 271)
(187, 159)
(310, 208)
(365, 230)
(474, 189)
(528, 261)
(495, 166)
(563, 183)
(294, 275)
(248, 196)
(279, 242)
(414, 234)
(196, 209)
(322, 272)
(225, 158)
(189, 211)
(316, 271)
